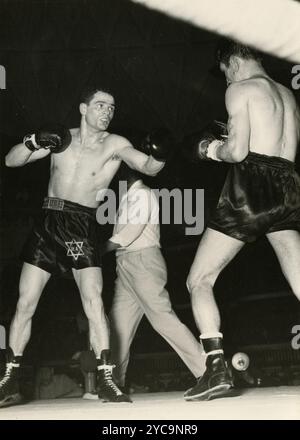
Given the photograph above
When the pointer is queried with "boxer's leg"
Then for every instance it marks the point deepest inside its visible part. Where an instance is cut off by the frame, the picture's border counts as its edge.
(214, 253)
(32, 283)
(90, 283)
(286, 245)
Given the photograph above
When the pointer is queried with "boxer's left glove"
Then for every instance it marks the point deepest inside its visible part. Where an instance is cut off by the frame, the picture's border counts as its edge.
(157, 144)
(55, 138)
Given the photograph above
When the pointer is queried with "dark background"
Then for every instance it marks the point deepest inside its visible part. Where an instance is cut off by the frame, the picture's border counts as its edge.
(163, 75)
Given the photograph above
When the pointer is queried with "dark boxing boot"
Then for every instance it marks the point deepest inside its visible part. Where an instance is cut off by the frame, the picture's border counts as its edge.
(216, 380)
(108, 391)
(9, 383)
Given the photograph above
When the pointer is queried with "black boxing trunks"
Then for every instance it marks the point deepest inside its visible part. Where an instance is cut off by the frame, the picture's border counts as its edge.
(66, 236)
(261, 194)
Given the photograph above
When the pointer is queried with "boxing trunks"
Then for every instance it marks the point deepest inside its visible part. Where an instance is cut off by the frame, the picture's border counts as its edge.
(261, 194)
(66, 236)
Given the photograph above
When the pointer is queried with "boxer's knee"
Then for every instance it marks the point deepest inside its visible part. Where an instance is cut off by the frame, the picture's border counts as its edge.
(92, 300)
(200, 280)
(90, 286)
(92, 304)
(25, 308)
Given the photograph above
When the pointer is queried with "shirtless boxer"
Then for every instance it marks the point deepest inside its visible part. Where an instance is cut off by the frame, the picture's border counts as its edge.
(261, 196)
(66, 236)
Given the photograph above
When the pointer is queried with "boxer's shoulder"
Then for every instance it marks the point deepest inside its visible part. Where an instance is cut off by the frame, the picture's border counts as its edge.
(75, 133)
(237, 93)
(118, 142)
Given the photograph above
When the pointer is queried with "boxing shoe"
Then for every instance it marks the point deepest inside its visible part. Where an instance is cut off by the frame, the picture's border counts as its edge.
(108, 391)
(9, 384)
(215, 382)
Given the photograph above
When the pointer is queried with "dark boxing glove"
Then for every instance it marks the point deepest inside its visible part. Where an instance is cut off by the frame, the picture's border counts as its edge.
(157, 144)
(55, 138)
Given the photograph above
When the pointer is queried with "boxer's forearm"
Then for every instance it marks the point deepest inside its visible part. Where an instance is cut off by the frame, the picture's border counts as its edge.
(18, 156)
(153, 166)
(229, 153)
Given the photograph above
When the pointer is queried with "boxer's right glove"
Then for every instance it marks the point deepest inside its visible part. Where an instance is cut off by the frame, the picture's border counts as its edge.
(56, 138)
(204, 144)
(207, 149)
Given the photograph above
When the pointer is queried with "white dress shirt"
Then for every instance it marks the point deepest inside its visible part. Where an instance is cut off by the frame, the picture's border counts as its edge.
(137, 220)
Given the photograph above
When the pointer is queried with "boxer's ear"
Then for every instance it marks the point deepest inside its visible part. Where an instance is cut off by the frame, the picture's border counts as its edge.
(235, 63)
(82, 108)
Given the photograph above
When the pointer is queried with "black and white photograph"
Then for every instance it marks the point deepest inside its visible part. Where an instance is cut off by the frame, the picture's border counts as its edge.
(149, 213)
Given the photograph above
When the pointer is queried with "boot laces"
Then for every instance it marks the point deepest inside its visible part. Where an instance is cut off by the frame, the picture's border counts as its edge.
(7, 375)
(107, 370)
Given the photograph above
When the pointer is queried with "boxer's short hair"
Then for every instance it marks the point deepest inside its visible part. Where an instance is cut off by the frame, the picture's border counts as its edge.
(227, 48)
(88, 93)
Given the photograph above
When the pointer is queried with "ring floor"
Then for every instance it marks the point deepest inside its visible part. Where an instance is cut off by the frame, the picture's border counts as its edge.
(280, 403)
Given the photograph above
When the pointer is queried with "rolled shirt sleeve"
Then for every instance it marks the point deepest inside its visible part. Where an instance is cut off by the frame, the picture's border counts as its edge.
(133, 216)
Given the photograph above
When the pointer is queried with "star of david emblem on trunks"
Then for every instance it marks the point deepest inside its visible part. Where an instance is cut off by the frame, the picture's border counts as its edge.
(74, 249)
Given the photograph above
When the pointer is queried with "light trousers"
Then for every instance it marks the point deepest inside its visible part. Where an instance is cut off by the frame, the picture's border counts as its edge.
(140, 290)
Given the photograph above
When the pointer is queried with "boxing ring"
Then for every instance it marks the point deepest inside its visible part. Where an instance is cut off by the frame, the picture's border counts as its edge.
(272, 403)
(271, 26)
(269, 403)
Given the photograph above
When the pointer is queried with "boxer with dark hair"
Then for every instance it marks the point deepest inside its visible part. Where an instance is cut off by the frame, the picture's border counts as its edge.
(261, 196)
(229, 48)
(67, 235)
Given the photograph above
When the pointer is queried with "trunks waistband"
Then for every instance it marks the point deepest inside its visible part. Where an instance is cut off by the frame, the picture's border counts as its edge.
(270, 161)
(57, 204)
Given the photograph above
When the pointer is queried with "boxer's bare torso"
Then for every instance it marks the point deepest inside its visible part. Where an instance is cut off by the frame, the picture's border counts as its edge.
(83, 169)
(90, 162)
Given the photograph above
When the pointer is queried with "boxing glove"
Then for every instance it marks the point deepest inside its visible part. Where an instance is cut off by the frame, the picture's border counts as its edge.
(204, 144)
(56, 138)
(157, 144)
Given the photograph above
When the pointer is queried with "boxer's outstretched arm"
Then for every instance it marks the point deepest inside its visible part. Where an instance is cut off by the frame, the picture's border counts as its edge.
(20, 155)
(140, 161)
(236, 147)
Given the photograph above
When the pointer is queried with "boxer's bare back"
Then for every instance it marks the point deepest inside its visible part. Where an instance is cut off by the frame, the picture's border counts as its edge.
(268, 113)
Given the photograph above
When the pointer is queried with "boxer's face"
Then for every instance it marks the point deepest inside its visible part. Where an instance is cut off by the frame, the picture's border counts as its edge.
(230, 70)
(100, 110)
